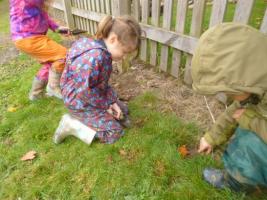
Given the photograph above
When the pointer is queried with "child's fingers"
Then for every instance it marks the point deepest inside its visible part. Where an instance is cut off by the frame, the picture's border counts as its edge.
(237, 114)
(208, 151)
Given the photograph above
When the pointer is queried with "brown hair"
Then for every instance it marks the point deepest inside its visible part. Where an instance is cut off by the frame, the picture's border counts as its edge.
(125, 27)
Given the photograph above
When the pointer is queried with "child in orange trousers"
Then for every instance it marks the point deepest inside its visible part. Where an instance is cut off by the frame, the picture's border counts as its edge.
(29, 25)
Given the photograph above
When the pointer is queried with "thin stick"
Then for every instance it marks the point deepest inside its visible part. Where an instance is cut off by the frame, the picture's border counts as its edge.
(213, 119)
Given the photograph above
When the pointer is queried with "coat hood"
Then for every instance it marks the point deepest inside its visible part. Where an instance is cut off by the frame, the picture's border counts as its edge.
(231, 58)
(83, 45)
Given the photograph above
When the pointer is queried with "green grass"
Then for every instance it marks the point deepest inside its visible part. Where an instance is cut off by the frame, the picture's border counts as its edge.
(142, 165)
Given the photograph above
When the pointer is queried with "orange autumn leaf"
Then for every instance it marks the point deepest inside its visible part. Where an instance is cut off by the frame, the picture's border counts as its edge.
(183, 151)
(29, 156)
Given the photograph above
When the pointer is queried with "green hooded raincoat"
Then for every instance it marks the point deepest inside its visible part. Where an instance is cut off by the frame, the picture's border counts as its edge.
(232, 58)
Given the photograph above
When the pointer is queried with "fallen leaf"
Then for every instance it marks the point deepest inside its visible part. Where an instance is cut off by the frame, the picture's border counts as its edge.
(122, 152)
(29, 156)
(183, 151)
(12, 109)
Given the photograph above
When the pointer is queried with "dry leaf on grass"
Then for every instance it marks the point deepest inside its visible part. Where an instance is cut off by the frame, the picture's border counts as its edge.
(29, 156)
(183, 151)
(122, 152)
(12, 109)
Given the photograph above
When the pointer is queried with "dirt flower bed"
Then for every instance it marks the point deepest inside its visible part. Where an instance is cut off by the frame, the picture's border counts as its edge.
(174, 96)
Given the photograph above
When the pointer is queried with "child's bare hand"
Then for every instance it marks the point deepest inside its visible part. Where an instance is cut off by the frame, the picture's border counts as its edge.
(238, 113)
(115, 110)
(204, 146)
(63, 30)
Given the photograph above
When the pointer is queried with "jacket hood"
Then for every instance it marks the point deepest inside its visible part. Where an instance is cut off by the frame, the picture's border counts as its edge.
(231, 58)
(83, 45)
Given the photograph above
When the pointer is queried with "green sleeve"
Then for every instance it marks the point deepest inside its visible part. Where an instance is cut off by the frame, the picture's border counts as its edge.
(255, 122)
(224, 126)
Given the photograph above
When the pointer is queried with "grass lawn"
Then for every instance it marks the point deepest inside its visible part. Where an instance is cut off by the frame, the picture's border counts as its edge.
(143, 165)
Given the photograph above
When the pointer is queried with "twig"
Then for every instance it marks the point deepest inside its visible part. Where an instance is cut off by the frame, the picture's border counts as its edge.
(213, 119)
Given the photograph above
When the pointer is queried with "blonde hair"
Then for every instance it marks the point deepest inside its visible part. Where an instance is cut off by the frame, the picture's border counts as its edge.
(125, 27)
(47, 4)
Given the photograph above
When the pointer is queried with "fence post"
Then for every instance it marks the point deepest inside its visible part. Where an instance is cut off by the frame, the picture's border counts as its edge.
(122, 7)
(67, 13)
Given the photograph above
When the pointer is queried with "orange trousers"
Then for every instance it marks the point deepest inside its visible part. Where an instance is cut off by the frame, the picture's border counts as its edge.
(45, 50)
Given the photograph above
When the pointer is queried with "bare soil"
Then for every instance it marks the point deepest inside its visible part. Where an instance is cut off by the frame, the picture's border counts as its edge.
(174, 96)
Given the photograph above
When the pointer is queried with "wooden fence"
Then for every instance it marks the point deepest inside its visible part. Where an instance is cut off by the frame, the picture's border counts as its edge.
(172, 27)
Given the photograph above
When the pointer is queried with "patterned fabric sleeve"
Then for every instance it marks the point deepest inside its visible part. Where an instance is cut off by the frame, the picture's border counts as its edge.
(100, 94)
(111, 95)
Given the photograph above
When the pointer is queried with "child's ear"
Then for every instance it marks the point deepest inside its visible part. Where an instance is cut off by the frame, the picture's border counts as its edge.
(113, 38)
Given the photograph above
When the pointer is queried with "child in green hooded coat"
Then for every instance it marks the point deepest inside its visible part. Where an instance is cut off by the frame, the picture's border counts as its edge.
(231, 58)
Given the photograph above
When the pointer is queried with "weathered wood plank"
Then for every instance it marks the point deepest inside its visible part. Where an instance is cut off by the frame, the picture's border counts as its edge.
(144, 19)
(108, 7)
(98, 6)
(167, 15)
(179, 28)
(102, 6)
(195, 31)
(264, 23)
(92, 15)
(179, 41)
(67, 12)
(155, 22)
(243, 11)
(218, 12)
(137, 10)
(121, 7)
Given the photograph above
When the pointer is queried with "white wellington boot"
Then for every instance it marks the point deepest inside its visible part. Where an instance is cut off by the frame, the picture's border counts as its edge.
(68, 125)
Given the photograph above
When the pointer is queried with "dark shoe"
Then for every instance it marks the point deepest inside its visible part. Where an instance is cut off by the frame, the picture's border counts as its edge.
(125, 122)
(215, 177)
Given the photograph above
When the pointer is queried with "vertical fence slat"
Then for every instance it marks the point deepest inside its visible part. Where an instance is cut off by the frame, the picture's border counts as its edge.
(67, 13)
(120, 7)
(155, 22)
(108, 7)
(264, 23)
(136, 10)
(87, 21)
(90, 21)
(167, 15)
(179, 28)
(94, 9)
(144, 19)
(98, 6)
(102, 6)
(243, 11)
(218, 12)
(195, 31)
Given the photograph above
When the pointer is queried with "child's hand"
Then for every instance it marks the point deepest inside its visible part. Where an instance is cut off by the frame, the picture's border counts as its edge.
(63, 30)
(204, 146)
(238, 113)
(116, 111)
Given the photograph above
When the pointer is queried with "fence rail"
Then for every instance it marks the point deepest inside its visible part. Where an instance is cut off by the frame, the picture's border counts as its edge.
(172, 27)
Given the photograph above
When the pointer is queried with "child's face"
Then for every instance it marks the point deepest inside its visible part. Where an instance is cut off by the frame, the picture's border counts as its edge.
(117, 50)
